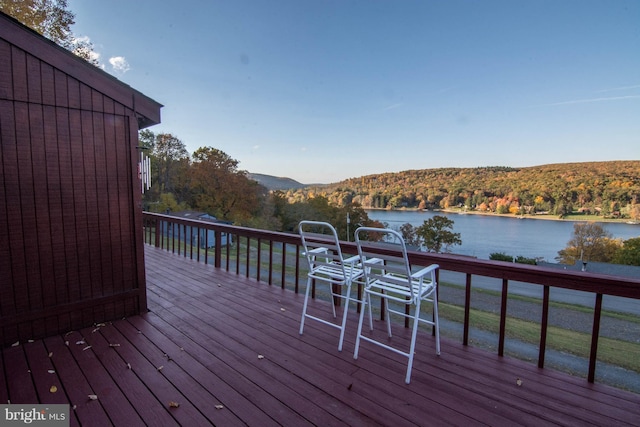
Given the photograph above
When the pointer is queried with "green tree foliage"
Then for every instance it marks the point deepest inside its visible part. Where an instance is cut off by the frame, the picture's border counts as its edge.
(410, 235)
(600, 188)
(437, 235)
(52, 19)
(629, 253)
(590, 242)
(500, 256)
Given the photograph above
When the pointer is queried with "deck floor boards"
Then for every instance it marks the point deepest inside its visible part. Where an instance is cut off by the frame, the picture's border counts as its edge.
(227, 351)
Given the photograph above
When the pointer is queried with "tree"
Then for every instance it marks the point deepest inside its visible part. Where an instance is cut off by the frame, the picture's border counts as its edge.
(219, 188)
(52, 19)
(410, 235)
(629, 253)
(436, 234)
(590, 242)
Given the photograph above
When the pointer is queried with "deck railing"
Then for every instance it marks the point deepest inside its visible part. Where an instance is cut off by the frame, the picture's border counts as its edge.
(275, 258)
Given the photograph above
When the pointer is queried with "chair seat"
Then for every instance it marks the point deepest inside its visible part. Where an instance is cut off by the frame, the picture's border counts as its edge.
(395, 288)
(335, 272)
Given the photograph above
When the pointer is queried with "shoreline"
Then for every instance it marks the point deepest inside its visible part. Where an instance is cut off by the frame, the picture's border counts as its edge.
(545, 217)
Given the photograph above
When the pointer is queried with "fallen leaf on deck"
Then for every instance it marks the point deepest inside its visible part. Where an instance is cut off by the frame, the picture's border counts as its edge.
(219, 406)
(51, 371)
(160, 368)
(80, 342)
(173, 404)
(519, 382)
(260, 356)
(129, 365)
(53, 389)
(349, 387)
(114, 345)
(86, 348)
(66, 343)
(15, 344)
(50, 354)
(282, 309)
(93, 397)
(30, 341)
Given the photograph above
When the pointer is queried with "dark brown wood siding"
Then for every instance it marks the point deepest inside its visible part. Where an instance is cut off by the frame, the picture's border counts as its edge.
(71, 250)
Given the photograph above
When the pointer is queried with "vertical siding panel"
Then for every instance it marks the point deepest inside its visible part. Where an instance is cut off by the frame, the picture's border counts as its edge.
(91, 197)
(34, 80)
(113, 179)
(125, 203)
(68, 207)
(102, 193)
(48, 84)
(61, 89)
(19, 69)
(58, 293)
(27, 237)
(74, 93)
(6, 73)
(12, 269)
(81, 289)
(39, 248)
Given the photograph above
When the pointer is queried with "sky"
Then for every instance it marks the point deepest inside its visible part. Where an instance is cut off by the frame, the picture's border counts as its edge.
(324, 90)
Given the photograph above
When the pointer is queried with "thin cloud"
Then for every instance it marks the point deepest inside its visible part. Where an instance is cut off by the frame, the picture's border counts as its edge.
(619, 88)
(119, 64)
(392, 107)
(592, 100)
(255, 147)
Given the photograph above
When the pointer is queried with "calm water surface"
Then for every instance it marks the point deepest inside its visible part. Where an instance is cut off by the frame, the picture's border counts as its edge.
(482, 235)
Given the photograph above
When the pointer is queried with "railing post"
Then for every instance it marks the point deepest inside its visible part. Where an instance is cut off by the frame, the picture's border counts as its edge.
(467, 310)
(217, 258)
(544, 322)
(503, 316)
(594, 338)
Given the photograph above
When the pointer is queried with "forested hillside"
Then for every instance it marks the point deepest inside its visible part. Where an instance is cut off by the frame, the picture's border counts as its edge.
(611, 189)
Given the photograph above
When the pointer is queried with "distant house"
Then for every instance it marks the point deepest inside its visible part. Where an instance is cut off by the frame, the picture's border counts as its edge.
(203, 237)
(71, 253)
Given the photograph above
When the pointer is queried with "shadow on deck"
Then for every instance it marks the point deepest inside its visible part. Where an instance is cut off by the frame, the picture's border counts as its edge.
(225, 350)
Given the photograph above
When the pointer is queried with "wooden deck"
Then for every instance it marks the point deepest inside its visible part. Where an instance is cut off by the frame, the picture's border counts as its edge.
(226, 350)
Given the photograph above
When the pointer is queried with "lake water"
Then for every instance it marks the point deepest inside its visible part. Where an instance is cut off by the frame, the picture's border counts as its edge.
(482, 235)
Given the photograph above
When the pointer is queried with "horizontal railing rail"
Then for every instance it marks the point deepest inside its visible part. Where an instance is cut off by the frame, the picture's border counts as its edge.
(275, 257)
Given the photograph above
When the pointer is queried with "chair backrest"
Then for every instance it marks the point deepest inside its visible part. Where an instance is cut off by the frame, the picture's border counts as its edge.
(383, 255)
(322, 248)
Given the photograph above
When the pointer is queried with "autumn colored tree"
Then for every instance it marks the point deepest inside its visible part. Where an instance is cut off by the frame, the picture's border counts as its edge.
(219, 188)
(590, 242)
(437, 235)
(52, 19)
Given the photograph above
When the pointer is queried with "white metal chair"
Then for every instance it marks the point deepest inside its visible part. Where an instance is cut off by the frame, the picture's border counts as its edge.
(326, 264)
(388, 275)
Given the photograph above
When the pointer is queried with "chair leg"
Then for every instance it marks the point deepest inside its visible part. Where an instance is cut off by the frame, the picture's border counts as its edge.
(344, 316)
(370, 313)
(304, 306)
(388, 316)
(414, 334)
(436, 320)
(366, 300)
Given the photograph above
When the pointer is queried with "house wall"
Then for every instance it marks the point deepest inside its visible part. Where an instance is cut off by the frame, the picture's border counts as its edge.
(71, 252)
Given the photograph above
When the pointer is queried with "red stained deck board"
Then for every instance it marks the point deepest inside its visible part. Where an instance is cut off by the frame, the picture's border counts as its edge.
(206, 327)
(75, 384)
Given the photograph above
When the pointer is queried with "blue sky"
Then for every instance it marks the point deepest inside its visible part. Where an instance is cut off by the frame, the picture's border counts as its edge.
(325, 90)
